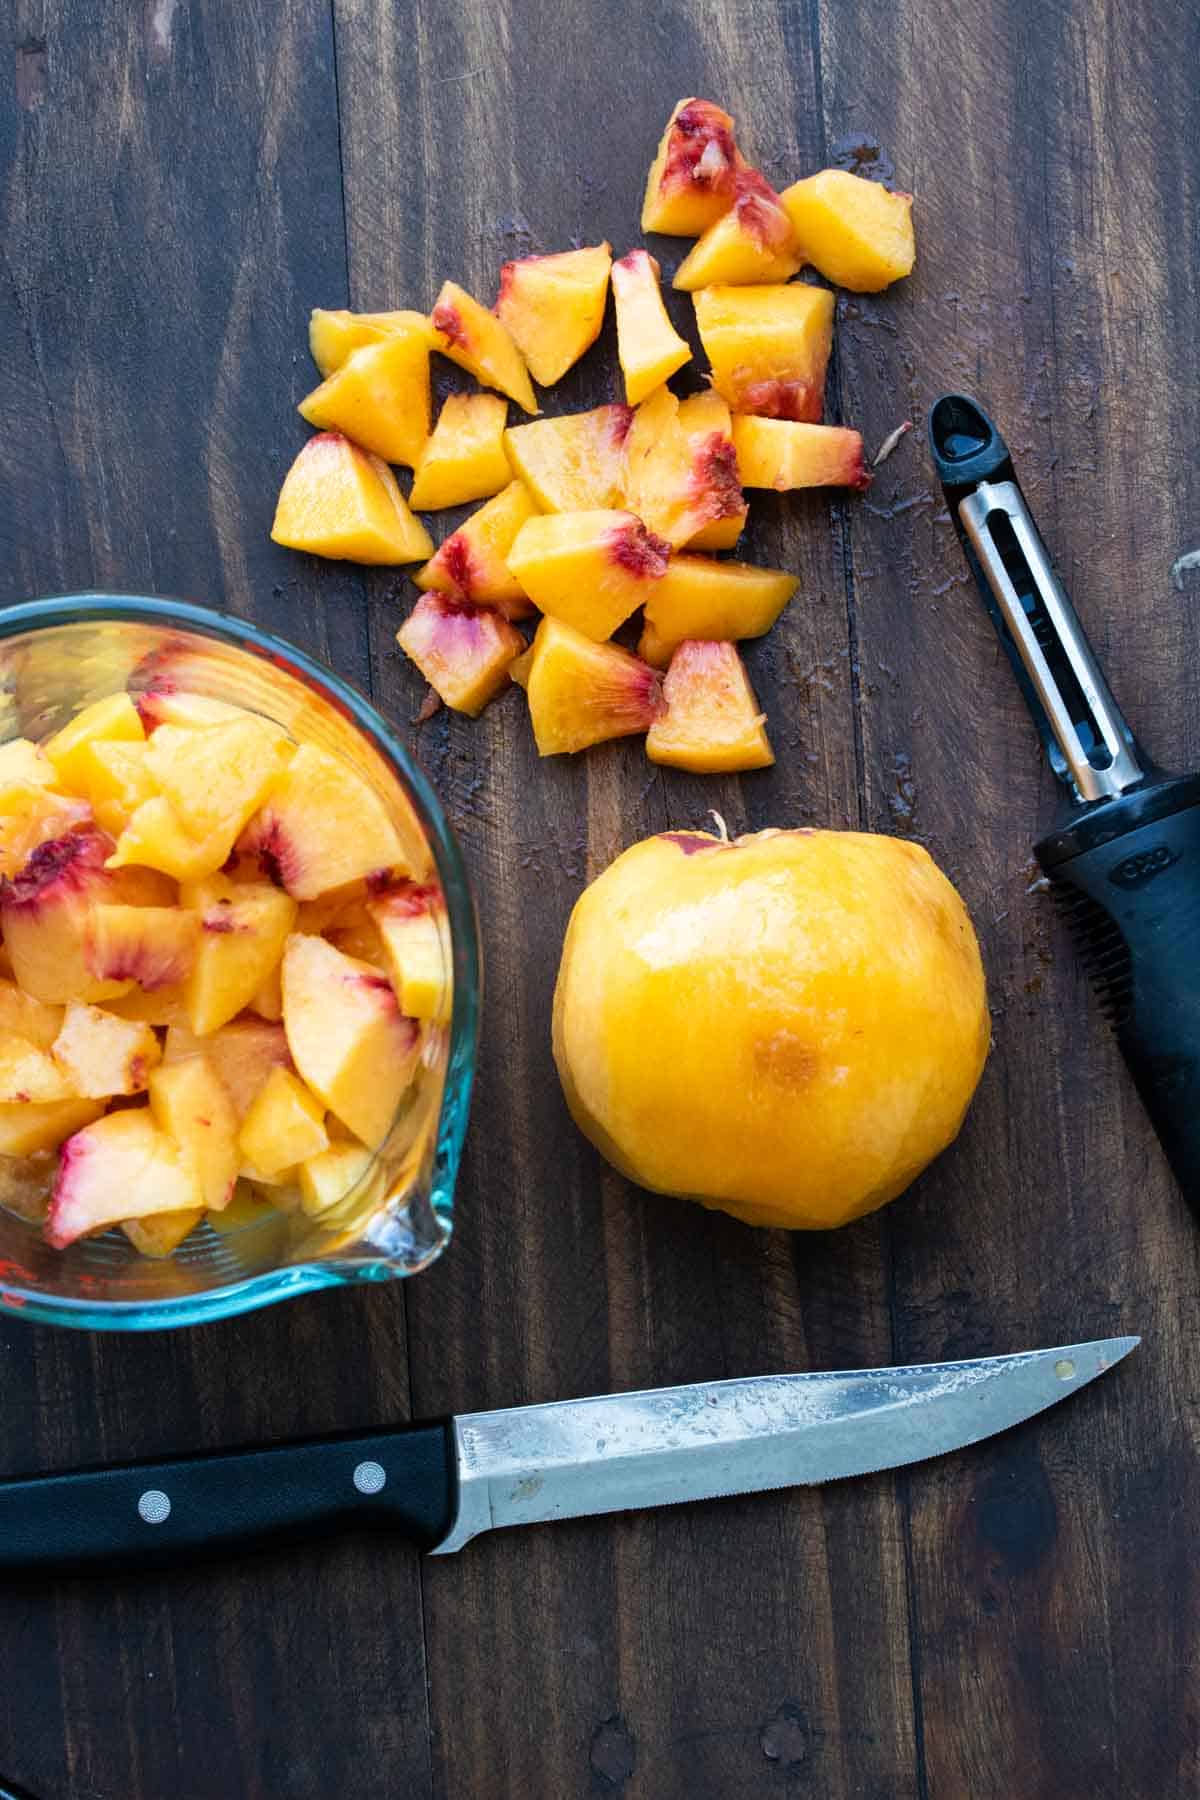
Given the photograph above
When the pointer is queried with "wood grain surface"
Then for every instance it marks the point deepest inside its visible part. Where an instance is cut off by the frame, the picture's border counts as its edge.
(182, 181)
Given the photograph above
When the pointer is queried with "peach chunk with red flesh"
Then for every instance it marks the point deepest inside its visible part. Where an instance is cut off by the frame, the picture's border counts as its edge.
(706, 419)
(464, 459)
(856, 232)
(47, 911)
(342, 502)
(477, 341)
(240, 933)
(463, 651)
(590, 569)
(768, 347)
(30, 815)
(649, 348)
(472, 563)
(380, 397)
(786, 453)
(581, 692)
(120, 1167)
(410, 920)
(573, 462)
(348, 1038)
(152, 945)
(676, 482)
(102, 1055)
(712, 724)
(322, 827)
(553, 307)
(752, 242)
(691, 180)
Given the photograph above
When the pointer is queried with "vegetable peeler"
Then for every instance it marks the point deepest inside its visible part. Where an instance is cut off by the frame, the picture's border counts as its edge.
(1123, 857)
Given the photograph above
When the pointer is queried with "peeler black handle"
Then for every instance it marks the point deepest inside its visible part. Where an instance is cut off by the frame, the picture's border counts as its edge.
(1127, 876)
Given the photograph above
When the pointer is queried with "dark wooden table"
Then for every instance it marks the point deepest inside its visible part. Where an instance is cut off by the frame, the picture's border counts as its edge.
(183, 180)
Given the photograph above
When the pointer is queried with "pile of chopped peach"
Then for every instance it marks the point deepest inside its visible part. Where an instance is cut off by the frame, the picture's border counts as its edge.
(592, 518)
(218, 972)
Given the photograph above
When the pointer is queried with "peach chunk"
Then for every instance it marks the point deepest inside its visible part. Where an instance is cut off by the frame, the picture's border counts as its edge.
(464, 459)
(189, 1103)
(329, 1177)
(712, 724)
(242, 1055)
(856, 232)
(380, 397)
(162, 703)
(120, 1167)
(284, 1126)
(649, 348)
(553, 307)
(23, 761)
(31, 816)
(47, 912)
(678, 483)
(268, 1001)
(691, 180)
(477, 341)
(573, 462)
(752, 242)
(241, 930)
(333, 335)
(115, 781)
(322, 827)
(26, 1128)
(348, 1038)
(152, 945)
(706, 417)
(102, 1055)
(155, 839)
(410, 919)
(25, 1184)
(590, 569)
(111, 720)
(30, 1074)
(472, 562)
(785, 453)
(215, 777)
(344, 503)
(701, 598)
(463, 651)
(768, 347)
(162, 1233)
(23, 1016)
(581, 692)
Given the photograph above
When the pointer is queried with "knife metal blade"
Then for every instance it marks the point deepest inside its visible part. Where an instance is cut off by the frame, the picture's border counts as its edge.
(440, 1484)
(668, 1445)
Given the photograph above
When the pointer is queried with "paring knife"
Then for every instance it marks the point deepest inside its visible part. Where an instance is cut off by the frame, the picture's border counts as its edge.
(439, 1485)
(1123, 858)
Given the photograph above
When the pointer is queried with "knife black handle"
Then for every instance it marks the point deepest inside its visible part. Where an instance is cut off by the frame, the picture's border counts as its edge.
(1127, 876)
(143, 1515)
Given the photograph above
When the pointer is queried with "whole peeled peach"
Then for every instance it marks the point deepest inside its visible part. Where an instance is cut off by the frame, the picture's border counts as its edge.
(788, 1026)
